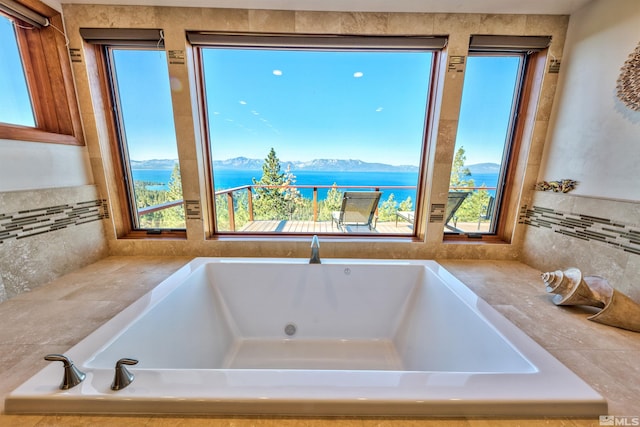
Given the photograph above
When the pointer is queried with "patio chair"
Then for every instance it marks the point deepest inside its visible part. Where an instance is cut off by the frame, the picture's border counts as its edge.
(488, 211)
(358, 208)
(454, 201)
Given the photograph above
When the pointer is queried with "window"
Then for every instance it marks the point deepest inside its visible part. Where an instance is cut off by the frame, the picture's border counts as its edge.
(145, 129)
(36, 85)
(493, 88)
(16, 105)
(303, 130)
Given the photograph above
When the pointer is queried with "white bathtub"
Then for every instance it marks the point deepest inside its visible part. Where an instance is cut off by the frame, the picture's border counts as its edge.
(370, 337)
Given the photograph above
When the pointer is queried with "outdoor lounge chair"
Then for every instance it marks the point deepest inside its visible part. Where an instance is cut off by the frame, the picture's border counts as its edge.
(358, 208)
(454, 201)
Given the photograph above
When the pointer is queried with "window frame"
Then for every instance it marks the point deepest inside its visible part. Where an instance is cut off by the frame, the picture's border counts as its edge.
(201, 40)
(122, 177)
(49, 79)
(522, 119)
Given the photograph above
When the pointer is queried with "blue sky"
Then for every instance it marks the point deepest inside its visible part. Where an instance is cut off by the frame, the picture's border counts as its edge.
(486, 106)
(316, 104)
(15, 105)
(305, 104)
(145, 100)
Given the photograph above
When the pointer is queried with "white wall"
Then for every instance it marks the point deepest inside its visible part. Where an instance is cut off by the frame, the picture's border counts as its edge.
(594, 138)
(37, 165)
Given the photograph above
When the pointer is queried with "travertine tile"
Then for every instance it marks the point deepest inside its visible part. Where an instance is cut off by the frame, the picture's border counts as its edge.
(53, 322)
(364, 22)
(317, 22)
(225, 19)
(603, 356)
(502, 24)
(22, 420)
(272, 21)
(410, 24)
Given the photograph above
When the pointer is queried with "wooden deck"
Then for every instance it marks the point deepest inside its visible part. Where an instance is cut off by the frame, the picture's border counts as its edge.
(323, 227)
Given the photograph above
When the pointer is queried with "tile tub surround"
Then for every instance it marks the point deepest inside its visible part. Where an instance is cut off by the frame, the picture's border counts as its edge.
(46, 233)
(607, 358)
(370, 337)
(601, 237)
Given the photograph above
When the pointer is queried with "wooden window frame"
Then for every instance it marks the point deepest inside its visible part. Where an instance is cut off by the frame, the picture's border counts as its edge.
(435, 44)
(507, 209)
(50, 82)
(124, 199)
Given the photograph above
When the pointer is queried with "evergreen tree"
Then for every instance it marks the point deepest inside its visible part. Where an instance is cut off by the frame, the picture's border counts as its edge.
(388, 208)
(292, 196)
(406, 205)
(459, 173)
(240, 210)
(475, 204)
(174, 217)
(332, 203)
(144, 198)
(270, 201)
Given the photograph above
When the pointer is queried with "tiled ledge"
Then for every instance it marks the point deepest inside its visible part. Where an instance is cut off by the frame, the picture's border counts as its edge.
(607, 358)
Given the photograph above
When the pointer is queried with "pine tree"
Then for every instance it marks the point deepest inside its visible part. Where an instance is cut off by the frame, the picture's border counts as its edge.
(292, 196)
(406, 205)
(174, 217)
(388, 209)
(270, 201)
(473, 206)
(459, 172)
(333, 202)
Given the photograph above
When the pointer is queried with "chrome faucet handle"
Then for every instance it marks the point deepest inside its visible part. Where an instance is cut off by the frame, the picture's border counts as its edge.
(122, 376)
(72, 375)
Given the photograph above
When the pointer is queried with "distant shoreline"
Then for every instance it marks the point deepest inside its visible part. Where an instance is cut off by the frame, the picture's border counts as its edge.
(317, 165)
(233, 178)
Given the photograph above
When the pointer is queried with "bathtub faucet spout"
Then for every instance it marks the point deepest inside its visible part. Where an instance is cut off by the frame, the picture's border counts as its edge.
(315, 251)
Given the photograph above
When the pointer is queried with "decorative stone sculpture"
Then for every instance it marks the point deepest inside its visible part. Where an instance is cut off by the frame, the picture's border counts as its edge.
(571, 288)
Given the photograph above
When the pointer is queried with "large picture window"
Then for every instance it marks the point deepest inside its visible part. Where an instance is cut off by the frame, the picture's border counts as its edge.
(316, 136)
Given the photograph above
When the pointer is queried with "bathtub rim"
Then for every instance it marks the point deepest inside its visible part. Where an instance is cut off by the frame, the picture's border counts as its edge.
(588, 403)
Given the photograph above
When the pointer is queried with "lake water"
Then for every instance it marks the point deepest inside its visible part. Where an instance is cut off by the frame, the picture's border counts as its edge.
(231, 178)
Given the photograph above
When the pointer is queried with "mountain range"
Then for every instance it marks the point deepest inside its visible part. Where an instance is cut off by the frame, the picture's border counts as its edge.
(338, 165)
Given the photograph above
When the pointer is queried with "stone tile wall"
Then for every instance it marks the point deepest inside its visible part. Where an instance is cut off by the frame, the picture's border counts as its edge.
(191, 148)
(46, 233)
(601, 237)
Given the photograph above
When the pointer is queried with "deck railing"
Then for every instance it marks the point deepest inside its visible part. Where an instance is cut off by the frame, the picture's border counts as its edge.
(229, 194)
(315, 188)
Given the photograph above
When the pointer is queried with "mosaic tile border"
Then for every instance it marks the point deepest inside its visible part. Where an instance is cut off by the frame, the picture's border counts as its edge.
(32, 222)
(584, 227)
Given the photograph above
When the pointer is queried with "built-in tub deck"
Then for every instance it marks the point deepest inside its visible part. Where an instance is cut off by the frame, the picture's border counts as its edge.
(280, 336)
